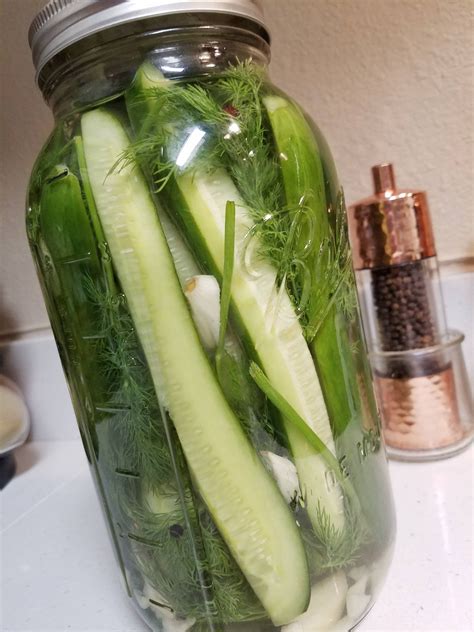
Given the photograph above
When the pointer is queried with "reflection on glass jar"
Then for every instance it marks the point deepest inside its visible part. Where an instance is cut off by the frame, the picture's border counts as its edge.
(190, 236)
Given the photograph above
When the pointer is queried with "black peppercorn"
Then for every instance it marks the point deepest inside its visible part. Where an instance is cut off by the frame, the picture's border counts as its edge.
(176, 531)
(403, 308)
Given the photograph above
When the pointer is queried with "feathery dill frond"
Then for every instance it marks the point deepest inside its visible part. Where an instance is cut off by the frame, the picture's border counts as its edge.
(179, 549)
(332, 548)
(237, 137)
(230, 112)
(333, 276)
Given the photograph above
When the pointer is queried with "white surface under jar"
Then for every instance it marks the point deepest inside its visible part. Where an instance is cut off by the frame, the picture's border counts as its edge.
(52, 533)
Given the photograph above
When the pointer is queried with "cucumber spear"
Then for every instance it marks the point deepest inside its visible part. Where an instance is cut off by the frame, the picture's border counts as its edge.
(304, 186)
(264, 314)
(244, 501)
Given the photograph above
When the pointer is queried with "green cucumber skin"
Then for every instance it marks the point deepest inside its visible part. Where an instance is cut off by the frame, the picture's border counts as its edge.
(337, 368)
(64, 221)
(186, 197)
(70, 243)
(69, 230)
(68, 239)
(302, 170)
(141, 112)
(331, 352)
(267, 347)
(250, 512)
(300, 164)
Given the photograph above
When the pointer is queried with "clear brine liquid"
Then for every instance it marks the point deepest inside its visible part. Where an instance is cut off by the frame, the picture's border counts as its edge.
(176, 564)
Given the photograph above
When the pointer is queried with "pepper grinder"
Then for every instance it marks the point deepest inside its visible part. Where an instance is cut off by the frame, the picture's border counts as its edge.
(419, 373)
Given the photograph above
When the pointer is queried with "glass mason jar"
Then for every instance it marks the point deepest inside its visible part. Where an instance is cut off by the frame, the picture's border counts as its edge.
(190, 237)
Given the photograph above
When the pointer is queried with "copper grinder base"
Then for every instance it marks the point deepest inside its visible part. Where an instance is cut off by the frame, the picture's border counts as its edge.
(420, 413)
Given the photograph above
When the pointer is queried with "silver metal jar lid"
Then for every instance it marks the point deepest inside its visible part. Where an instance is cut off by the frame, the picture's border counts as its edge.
(62, 22)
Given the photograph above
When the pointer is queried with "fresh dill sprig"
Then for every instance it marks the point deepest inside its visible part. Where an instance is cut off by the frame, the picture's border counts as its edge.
(333, 282)
(229, 249)
(138, 426)
(230, 112)
(174, 115)
(345, 291)
(236, 136)
(179, 552)
(331, 548)
(249, 149)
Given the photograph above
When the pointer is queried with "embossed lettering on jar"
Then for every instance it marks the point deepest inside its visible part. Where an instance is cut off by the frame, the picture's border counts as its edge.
(190, 237)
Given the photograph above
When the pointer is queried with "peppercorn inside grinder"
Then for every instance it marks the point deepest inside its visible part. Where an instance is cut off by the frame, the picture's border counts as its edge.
(419, 372)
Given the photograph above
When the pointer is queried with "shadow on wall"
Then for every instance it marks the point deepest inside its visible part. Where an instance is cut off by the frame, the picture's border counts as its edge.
(8, 321)
(26, 457)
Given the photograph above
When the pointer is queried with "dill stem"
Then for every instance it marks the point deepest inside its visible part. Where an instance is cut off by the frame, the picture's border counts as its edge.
(229, 254)
(289, 413)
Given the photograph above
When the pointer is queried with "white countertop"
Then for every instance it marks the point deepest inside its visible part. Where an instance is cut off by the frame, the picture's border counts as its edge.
(58, 571)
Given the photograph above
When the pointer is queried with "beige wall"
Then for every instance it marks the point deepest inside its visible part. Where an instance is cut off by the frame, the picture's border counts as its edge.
(385, 80)
(25, 122)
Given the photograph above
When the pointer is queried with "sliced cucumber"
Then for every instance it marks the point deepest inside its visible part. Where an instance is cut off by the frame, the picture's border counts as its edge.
(184, 262)
(67, 234)
(265, 314)
(273, 328)
(69, 239)
(241, 496)
(301, 160)
(301, 166)
(304, 183)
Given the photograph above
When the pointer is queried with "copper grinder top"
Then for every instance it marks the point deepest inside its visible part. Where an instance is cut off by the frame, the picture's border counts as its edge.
(392, 226)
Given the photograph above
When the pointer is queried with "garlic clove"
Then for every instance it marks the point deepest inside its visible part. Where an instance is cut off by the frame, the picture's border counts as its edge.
(360, 585)
(357, 572)
(356, 605)
(203, 294)
(285, 474)
(169, 621)
(328, 602)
